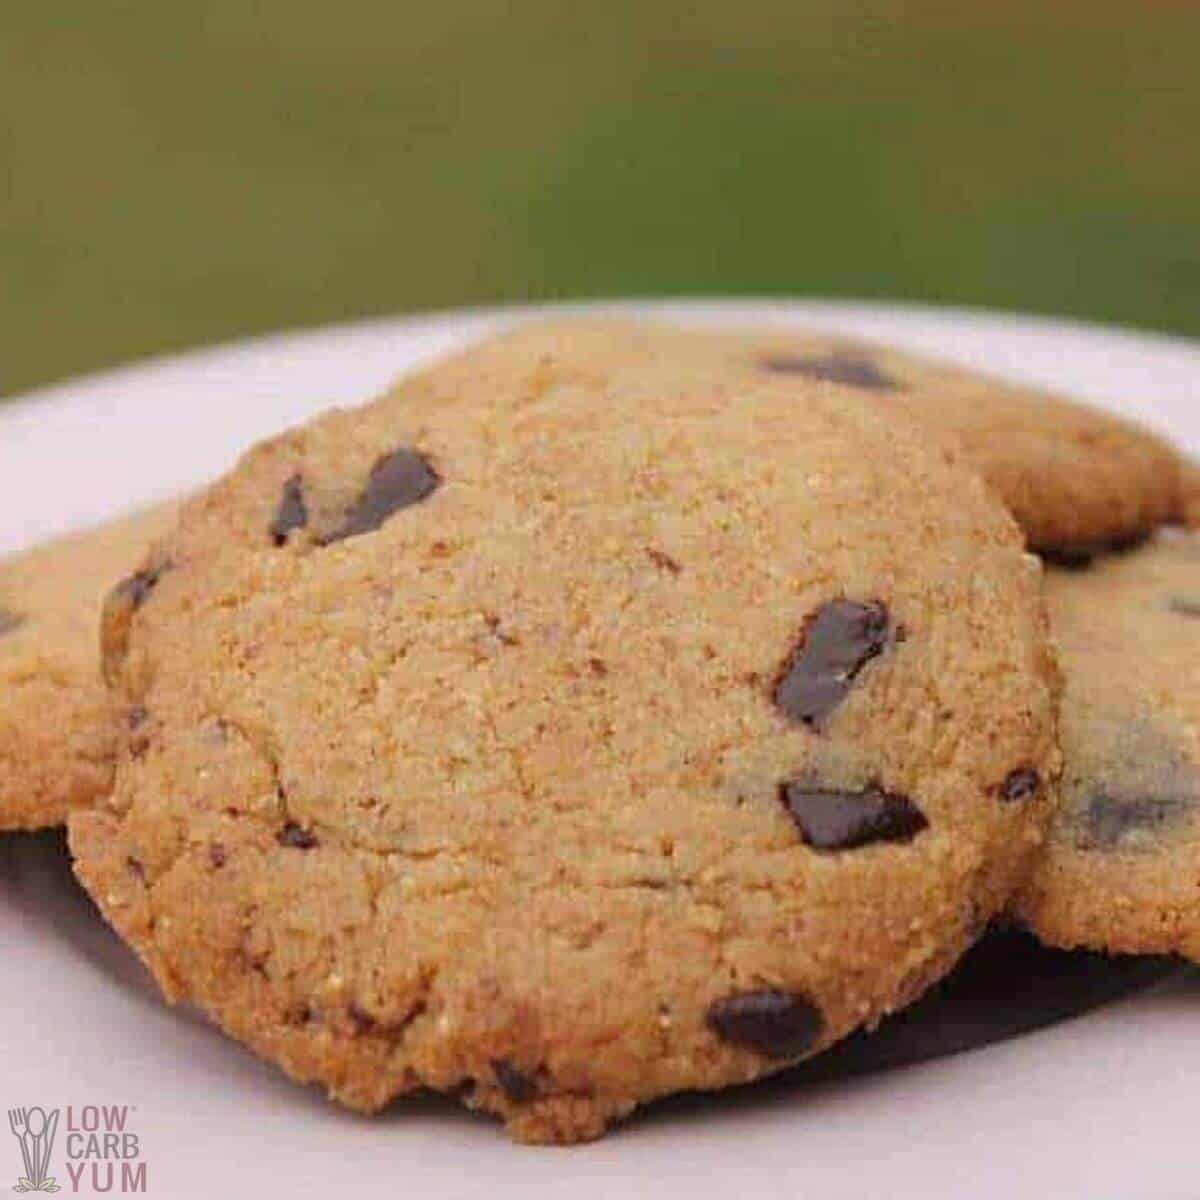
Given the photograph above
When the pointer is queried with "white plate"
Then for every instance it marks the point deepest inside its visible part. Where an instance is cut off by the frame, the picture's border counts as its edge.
(1102, 1106)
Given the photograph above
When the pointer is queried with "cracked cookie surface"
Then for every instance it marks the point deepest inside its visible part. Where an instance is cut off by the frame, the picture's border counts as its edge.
(1121, 869)
(58, 733)
(1077, 479)
(562, 730)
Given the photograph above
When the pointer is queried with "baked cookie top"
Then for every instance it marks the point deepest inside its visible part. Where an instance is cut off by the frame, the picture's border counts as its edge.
(1121, 869)
(564, 729)
(1078, 480)
(57, 723)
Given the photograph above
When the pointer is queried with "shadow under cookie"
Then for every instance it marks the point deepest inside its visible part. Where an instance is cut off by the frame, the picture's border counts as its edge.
(1007, 986)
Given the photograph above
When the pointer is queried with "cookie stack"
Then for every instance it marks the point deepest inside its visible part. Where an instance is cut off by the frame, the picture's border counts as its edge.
(613, 710)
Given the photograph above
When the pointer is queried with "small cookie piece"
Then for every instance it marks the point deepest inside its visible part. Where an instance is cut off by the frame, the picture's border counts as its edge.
(57, 723)
(1078, 480)
(563, 730)
(1121, 869)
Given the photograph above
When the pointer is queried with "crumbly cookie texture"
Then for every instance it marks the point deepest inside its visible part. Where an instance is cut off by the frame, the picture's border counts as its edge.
(1121, 868)
(566, 729)
(58, 732)
(1079, 481)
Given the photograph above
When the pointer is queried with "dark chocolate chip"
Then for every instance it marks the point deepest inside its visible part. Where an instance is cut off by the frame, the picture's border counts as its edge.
(1107, 820)
(297, 837)
(9, 621)
(775, 1024)
(135, 866)
(839, 639)
(830, 820)
(851, 368)
(397, 481)
(1180, 605)
(662, 560)
(1022, 784)
(292, 512)
(217, 855)
(515, 1084)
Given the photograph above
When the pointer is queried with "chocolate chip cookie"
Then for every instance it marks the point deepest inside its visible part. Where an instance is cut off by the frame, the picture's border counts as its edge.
(1078, 480)
(57, 723)
(566, 729)
(1121, 870)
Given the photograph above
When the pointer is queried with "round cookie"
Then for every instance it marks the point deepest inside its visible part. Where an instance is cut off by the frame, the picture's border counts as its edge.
(1121, 869)
(561, 730)
(57, 722)
(1078, 480)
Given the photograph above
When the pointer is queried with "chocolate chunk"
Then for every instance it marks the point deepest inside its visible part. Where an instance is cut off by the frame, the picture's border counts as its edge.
(842, 366)
(773, 1023)
(838, 641)
(397, 481)
(1180, 605)
(1022, 784)
(515, 1084)
(296, 836)
(1107, 821)
(292, 512)
(830, 820)
(9, 621)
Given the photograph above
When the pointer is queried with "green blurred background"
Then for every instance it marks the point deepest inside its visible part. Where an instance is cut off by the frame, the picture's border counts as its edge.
(176, 173)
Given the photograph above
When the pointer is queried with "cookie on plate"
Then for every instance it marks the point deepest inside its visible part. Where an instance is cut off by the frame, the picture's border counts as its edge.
(562, 730)
(1079, 481)
(57, 722)
(1121, 869)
